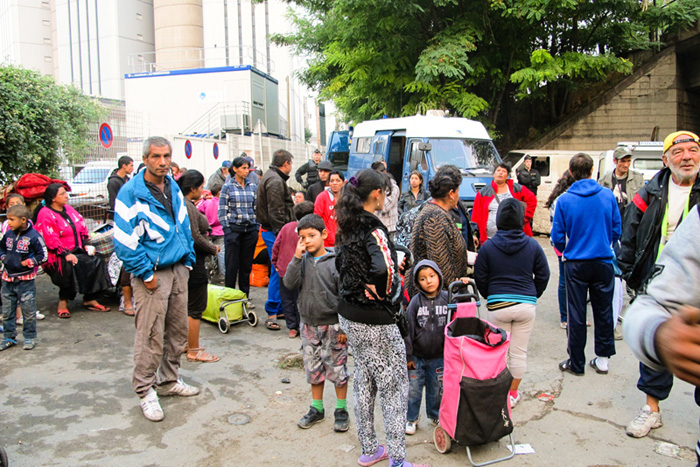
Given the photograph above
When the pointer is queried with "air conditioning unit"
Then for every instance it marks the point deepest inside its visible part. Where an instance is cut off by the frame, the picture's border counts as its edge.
(235, 122)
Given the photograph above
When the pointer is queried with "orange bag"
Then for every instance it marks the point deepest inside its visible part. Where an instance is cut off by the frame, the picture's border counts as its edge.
(260, 275)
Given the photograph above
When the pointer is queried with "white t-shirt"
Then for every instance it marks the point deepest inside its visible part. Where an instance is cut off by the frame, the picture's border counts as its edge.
(491, 227)
(677, 201)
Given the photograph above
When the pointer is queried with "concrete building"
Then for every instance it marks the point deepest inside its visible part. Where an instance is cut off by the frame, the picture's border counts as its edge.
(26, 34)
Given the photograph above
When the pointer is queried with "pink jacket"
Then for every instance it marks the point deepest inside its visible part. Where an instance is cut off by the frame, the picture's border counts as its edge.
(58, 234)
(210, 208)
(285, 247)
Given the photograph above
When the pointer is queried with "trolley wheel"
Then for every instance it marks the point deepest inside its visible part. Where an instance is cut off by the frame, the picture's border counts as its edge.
(3, 458)
(252, 318)
(443, 442)
(224, 325)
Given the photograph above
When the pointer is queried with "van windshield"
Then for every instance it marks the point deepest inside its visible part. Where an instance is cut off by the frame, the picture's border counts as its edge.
(91, 175)
(467, 154)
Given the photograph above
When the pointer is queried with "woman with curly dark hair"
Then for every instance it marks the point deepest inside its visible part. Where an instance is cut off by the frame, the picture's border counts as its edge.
(367, 265)
(435, 235)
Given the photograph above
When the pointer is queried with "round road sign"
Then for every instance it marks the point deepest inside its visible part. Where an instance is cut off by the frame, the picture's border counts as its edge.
(106, 136)
(188, 149)
(216, 150)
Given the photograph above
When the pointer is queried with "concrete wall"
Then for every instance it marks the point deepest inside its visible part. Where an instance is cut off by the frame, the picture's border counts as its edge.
(630, 111)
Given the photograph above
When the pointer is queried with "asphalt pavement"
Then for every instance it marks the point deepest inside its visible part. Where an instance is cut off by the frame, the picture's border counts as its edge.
(69, 402)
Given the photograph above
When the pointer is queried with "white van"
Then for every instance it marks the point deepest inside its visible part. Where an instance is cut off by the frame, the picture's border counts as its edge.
(89, 186)
(551, 165)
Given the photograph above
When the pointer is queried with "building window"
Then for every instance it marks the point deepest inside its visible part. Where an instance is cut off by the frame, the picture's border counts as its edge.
(47, 40)
(45, 4)
(139, 16)
(139, 37)
(46, 22)
(47, 58)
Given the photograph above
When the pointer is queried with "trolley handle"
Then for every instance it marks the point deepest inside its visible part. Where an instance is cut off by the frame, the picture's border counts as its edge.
(458, 291)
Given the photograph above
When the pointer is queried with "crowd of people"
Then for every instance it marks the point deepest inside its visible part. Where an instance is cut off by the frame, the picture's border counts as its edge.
(338, 282)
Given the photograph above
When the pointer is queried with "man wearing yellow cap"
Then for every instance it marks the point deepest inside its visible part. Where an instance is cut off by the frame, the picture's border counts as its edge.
(650, 220)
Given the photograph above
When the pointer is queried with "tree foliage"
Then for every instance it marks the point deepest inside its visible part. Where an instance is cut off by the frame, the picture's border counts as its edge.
(472, 57)
(39, 120)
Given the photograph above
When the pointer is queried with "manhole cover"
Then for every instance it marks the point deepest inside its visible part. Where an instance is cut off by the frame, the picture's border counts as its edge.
(238, 419)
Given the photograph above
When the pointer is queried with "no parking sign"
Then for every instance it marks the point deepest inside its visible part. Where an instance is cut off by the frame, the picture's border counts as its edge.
(188, 149)
(106, 136)
(215, 149)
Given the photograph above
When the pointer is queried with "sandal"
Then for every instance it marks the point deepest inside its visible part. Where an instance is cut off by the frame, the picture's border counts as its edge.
(293, 333)
(96, 307)
(201, 356)
(272, 325)
(63, 313)
(129, 312)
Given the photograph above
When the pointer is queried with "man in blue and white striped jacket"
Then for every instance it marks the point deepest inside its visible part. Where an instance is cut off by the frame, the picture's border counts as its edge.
(152, 237)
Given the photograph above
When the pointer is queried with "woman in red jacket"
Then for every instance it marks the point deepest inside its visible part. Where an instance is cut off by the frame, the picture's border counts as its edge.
(489, 197)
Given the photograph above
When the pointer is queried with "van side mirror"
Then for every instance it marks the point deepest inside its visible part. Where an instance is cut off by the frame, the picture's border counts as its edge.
(425, 147)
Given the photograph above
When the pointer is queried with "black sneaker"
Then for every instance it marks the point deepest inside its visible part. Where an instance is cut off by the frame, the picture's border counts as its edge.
(341, 420)
(311, 418)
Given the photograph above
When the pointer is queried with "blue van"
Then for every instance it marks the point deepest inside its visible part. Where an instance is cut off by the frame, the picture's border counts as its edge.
(424, 143)
(338, 150)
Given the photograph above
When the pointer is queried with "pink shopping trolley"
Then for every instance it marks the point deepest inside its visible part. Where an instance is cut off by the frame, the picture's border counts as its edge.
(475, 409)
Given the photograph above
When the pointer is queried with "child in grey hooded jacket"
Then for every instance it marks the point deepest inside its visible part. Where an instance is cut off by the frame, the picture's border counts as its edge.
(324, 344)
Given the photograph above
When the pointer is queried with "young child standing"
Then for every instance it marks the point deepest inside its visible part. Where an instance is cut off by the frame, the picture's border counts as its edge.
(12, 200)
(427, 318)
(324, 344)
(282, 253)
(22, 249)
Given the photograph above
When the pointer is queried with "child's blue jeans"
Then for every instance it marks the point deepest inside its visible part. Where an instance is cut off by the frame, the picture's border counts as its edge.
(428, 374)
(22, 293)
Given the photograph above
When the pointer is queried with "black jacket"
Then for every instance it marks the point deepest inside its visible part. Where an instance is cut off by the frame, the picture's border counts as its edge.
(530, 179)
(15, 248)
(427, 318)
(314, 190)
(114, 184)
(310, 169)
(408, 201)
(275, 203)
(641, 228)
(366, 256)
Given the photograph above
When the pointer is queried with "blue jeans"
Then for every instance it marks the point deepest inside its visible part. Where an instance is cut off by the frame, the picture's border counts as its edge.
(273, 305)
(561, 291)
(657, 384)
(428, 374)
(289, 306)
(22, 293)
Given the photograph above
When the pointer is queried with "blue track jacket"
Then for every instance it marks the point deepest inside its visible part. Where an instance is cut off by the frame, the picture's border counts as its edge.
(586, 222)
(146, 237)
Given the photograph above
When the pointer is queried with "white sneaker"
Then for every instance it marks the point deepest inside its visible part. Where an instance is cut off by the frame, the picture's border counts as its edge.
(180, 388)
(411, 427)
(151, 407)
(40, 316)
(645, 421)
(514, 400)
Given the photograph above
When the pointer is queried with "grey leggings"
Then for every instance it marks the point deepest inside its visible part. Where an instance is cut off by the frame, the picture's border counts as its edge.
(380, 367)
(518, 320)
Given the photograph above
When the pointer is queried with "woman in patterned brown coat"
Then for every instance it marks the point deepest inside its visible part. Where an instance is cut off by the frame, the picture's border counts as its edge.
(435, 235)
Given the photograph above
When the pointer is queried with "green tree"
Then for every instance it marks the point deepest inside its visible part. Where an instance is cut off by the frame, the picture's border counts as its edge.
(39, 120)
(474, 58)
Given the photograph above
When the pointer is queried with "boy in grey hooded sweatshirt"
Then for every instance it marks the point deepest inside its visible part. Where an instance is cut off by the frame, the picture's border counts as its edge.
(324, 344)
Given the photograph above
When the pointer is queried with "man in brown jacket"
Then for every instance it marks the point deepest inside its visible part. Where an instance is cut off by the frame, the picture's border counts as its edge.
(274, 209)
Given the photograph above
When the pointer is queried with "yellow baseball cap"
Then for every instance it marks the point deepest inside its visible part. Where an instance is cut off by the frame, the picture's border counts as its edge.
(679, 137)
